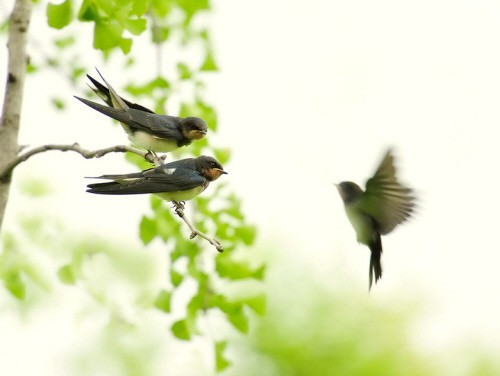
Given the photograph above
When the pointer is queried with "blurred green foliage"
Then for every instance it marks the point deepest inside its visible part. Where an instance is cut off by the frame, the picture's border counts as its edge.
(115, 25)
(310, 329)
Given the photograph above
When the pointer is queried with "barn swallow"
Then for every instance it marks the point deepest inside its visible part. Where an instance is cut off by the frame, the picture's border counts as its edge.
(175, 181)
(146, 129)
(383, 205)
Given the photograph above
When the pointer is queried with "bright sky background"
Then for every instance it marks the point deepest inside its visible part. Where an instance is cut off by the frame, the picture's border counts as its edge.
(312, 93)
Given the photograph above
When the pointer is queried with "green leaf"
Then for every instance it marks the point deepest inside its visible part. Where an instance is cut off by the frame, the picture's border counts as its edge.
(221, 363)
(107, 35)
(164, 228)
(31, 68)
(184, 71)
(256, 303)
(64, 42)
(15, 285)
(136, 26)
(77, 72)
(139, 7)
(59, 15)
(126, 45)
(58, 103)
(176, 277)
(229, 268)
(222, 155)
(180, 330)
(147, 229)
(88, 11)
(209, 63)
(246, 234)
(4, 26)
(234, 312)
(238, 318)
(138, 161)
(161, 7)
(160, 34)
(66, 275)
(162, 301)
(34, 187)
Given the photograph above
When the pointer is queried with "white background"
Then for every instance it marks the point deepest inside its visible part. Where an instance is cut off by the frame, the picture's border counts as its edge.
(312, 93)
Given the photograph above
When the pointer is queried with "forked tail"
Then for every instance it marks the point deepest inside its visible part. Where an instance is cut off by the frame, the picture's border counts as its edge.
(375, 263)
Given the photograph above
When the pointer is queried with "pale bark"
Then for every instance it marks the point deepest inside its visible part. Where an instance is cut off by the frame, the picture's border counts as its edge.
(19, 21)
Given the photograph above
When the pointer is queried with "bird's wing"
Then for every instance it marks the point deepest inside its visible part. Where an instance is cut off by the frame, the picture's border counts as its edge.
(174, 179)
(115, 113)
(136, 175)
(156, 180)
(161, 126)
(385, 199)
(103, 93)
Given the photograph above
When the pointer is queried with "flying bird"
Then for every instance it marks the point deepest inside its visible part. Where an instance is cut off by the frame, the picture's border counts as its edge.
(377, 210)
(146, 129)
(175, 181)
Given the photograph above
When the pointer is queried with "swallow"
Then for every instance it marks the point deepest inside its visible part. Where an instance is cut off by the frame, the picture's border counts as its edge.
(384, 204)
(146, 129)
(176, 181)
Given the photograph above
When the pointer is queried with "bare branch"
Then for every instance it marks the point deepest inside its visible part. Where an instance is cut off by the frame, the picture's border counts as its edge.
(179, 210)
(88, 154)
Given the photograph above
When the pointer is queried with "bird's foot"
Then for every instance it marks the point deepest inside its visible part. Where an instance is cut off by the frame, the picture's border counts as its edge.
(154, 158)
(179, 207)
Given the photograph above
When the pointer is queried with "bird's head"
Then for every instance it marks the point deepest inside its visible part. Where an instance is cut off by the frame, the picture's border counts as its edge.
(209, 167)
(193, 128)
(349, 191)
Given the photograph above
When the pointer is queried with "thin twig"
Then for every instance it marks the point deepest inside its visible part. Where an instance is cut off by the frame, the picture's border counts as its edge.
(179, 210)
(88, 154)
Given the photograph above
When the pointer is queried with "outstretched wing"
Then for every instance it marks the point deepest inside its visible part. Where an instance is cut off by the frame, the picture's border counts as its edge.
(385, 199)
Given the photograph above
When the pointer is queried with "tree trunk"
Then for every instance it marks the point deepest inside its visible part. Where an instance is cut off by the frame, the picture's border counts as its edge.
(11, 113)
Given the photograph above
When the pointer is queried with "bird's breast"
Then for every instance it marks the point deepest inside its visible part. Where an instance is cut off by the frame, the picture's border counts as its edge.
(362, 223)
(149, 142)
(182, 195)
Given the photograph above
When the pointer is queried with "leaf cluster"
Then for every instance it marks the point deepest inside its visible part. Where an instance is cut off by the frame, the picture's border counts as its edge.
(116, 25)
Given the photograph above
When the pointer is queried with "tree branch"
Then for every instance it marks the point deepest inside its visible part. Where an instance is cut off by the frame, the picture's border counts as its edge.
(179, 210)
(88, 154)
(19, 21)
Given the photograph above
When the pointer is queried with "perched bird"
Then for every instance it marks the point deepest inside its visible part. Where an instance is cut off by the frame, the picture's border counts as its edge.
(145, 129)
(175, 181)
(383, 205)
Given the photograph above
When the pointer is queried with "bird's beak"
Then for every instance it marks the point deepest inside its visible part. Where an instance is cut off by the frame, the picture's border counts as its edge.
(221, 171)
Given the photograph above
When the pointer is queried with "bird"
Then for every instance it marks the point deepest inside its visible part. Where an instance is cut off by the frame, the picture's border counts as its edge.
(176, 181)
(376, 211)
(146, 129)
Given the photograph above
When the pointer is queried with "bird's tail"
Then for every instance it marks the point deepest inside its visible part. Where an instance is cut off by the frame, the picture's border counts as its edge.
(375, 263)
(104, 93)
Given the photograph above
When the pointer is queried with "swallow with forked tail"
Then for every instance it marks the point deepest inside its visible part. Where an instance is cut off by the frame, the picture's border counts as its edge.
(146, 129)
(174, 181)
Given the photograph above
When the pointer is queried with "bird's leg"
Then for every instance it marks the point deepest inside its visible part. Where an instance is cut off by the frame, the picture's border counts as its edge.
(179, 208)
(152, 157)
